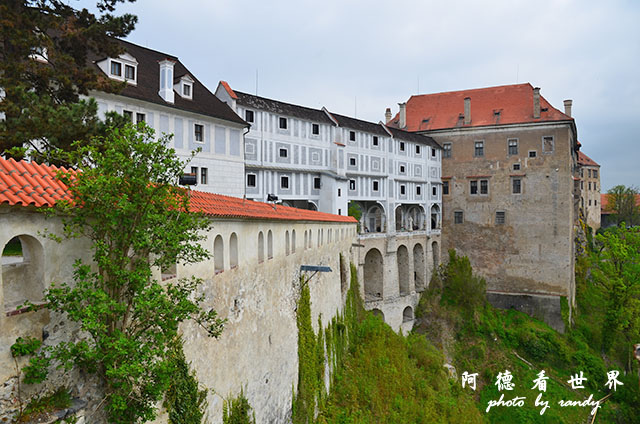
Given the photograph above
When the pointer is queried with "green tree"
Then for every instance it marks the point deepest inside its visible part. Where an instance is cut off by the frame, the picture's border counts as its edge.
(45, 53)
(126, 203)
(617, 271)
(622, 201)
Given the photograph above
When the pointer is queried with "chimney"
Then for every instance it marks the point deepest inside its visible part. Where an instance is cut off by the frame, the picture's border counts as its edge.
(387, 115)
(403, 115)
(536, 102)
(467, 110)
(166, 80)
(567, 107)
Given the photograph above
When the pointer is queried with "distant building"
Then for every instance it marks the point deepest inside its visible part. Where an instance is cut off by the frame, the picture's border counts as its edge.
(607, 218)
(162, 92)
(510, 188)
(589, 190)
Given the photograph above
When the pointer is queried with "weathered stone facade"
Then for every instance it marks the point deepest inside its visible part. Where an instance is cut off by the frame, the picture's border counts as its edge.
(590, 190)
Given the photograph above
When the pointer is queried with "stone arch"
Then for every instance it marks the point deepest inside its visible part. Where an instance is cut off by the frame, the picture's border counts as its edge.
(419, 268)
(435, 252)
(287, 246)
(407, 314)
(373, 275)
(233, 250)
(260, 247)
(375, 220)
(378, 313)
(399, 217)
(435, 217)
(218, 254)
(402, 256)
(22, 271)
(416, 218)
(293, 241)
(269, 245)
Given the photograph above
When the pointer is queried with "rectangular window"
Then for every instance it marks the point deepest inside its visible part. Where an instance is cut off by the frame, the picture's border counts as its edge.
(533, 153)
(339, 211)
(352, 161)
(284, 182)
(516, 185)
(513, 146)
(402, 146)
(116, 68)
(434, 191)
(316, 183)
(516, 166)
(339, 192)
(589, 185)
(199, 132)
(473, 187)
(251, 180)
(484, 186)
(458, 217)
(446, 153)
(375, 186)
(284, 153)
(500, 217)
(479, 149)
(403, 189)
(547, 144)
(203, 175)
(589, 173)
(595, 173)
(194, 171)
(352, 135)
(589, 202)
(352, 184)
(283, 123)
(418, 191)
(186, 90)
(375, 140)
(315, 129)
(402, 169)
(249, 116)
(433, 152)
(129, 72)
(128, 114)
(445, 187)
(140, 117)
(418, 149)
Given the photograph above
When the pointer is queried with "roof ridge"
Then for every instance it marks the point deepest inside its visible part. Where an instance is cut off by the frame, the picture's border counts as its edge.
(472, 89)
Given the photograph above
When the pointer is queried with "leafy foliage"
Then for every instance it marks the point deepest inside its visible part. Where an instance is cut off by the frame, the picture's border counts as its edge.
(622, 202)
(184, 400)
(126, 204)
(23, 347)
(45, 65)
(460, 286)
(57, 400)
(237, 411)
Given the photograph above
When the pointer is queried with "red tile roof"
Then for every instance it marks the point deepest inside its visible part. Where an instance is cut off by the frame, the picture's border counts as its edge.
(604, 203)
(586, 160)
(28, 183)
(229, 90)
(502, 105)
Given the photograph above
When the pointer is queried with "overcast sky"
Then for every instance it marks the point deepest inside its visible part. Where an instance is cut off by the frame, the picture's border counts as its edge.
(359, 57)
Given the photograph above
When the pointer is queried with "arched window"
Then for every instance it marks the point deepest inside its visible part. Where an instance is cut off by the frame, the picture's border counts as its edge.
(233, 250)
(260, 247)
(270, 245)
(22, 272)
(306, 241)
(310, 239)
(329, 235)
(293, 241)
(218, 254)
(319, 238)
(286, 243)
(407, 314)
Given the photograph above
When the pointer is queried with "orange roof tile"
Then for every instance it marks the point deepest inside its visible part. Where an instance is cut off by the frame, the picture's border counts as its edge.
(28, 183)
(502, 105)
(586, 160)
(229, 90)
(604, 203)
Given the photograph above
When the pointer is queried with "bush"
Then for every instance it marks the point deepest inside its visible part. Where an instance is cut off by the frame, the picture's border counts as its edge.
(460, 287)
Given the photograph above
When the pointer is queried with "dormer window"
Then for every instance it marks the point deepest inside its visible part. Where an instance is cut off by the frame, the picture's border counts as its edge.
(184, 86)
(129, 72)
(116, 68)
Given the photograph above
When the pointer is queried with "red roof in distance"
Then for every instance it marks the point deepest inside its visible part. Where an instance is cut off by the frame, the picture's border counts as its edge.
(604, 203)
(586, 160)
(501, 105)
(25, 183)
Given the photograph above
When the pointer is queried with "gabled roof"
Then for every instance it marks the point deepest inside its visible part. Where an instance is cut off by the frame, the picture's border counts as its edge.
(279, 108)
(604, 203)
(502, 105)
(203, 101)
(585, 160)
(31, 184)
